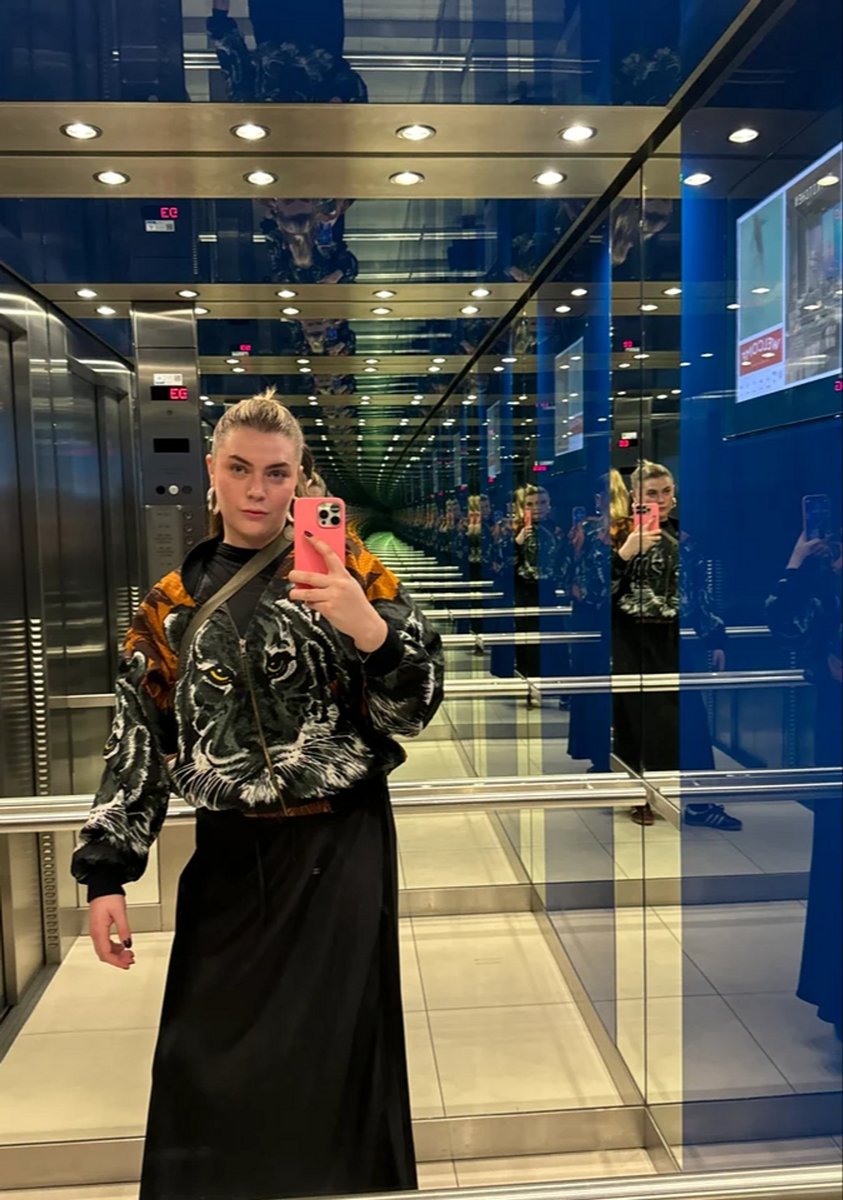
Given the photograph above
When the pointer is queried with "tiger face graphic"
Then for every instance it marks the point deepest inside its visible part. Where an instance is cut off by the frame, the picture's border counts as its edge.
(267, 716)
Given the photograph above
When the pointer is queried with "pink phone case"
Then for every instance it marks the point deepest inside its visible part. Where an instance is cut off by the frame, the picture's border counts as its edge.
(317, 515)
(649, 519)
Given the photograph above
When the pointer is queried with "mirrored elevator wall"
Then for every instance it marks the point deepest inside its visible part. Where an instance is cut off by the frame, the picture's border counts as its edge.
(69, 564)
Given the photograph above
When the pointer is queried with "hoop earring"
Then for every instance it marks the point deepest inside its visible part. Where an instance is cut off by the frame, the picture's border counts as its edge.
(211, 500)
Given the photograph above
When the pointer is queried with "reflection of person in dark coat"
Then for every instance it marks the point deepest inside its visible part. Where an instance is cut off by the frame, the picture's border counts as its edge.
(655, 576)
(804, 612)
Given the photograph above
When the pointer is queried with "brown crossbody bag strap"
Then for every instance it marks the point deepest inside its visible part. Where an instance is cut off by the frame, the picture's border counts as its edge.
(246, 573)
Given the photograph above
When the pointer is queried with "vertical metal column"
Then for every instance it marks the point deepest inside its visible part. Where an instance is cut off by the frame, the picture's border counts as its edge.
(173, 477)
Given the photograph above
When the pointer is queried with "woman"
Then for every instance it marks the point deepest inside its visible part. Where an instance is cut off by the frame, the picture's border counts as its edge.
(589, 731)
(649, 590)
(538, 543)
(280, 1065)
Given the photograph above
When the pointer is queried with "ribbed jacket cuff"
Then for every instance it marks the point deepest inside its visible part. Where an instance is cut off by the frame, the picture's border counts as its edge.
(105, 881)
(386, 658)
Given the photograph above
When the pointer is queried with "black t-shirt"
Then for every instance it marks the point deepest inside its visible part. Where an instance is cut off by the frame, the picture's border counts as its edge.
(226, 562)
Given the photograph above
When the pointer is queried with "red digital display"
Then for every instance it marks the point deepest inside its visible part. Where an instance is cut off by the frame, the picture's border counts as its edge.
(163, 392)
(245, 348)
(628, 345)
(623, 443)
(169, 212)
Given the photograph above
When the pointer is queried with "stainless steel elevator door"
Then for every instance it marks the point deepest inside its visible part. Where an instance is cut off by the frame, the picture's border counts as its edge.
(83, 657)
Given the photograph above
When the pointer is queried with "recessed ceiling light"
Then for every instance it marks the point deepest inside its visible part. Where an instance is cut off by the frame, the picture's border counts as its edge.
(672, 291)
(302, 362)
(111, 178)
(648, 307)
(684, 364)
(760, 291)
(81, 131)
(745, 134)
(733, 306)
(498, 370)
(641, 356)
(579, 291)
(206, 401)
(697, 179)
(577, 133)
(369, 370)
(187, 294)
(415, 133)
(304, 370)
(828, 180)
(468, 310)
(250, 132)
(812, 307)
(105, 310)
(382, 311)
(384, 294)
(86, 293)
(549, 178)
(289, 311)
(200, 310)
(676, 391)
(238, 370)
(466, 401)
(480, 293)
(232, 361)
(415, 403)
(406, 178)
(261, 178)
(314, 403)
(434, 370)
(623, 366)
(509, 358)
(439, 359)
(372, 362)
(562, 308)
(286, 294)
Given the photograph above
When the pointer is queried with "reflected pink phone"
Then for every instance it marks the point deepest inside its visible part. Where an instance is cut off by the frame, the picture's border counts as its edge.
(324, 517)
(647, 515)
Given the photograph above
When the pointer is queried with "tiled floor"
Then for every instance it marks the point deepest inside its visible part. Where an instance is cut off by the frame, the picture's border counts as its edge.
(491, 1027)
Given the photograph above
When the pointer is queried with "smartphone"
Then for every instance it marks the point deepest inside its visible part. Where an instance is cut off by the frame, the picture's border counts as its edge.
(816, 518)
(577, 516)
(324, 517)
(528, 518)
(647, 516)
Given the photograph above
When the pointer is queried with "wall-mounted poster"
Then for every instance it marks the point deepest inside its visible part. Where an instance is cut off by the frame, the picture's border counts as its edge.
(568, 377)
(789, 284)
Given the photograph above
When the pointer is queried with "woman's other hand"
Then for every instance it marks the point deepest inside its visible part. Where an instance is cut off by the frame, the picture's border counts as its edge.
(806, 549)
(339, 598)
(639, 542)
(104, 912)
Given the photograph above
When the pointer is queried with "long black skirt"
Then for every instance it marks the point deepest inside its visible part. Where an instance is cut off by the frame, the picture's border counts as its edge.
(280, 1068)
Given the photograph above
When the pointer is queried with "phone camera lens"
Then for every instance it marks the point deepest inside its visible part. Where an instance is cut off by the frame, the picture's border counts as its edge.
(335, 508)
(335, 520)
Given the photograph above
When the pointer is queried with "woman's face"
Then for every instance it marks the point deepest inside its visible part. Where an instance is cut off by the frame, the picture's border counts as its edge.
(254, 475)
(659, 490)
(538, 504)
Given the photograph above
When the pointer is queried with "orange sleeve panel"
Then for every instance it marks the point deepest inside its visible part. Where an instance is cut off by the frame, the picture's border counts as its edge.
(377, 581)
(147, 635)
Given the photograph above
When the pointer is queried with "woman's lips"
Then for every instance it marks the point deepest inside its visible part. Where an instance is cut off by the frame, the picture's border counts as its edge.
(254, 512)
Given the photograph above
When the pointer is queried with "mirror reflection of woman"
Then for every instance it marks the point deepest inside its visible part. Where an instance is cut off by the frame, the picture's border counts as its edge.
(280, 1064)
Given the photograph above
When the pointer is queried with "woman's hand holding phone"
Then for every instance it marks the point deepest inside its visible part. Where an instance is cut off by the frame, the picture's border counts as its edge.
(339, 598)
(104, 912)
(639, 542)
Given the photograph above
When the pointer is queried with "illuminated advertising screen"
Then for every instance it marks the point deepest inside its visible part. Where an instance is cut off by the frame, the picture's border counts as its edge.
(789, 284)
(568, 378)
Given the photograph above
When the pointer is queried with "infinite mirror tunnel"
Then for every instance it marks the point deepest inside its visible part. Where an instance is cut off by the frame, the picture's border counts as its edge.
(541, 301)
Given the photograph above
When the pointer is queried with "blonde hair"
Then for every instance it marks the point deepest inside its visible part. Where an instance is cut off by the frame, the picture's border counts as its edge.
(618, 496)
(264, 413)
(648, 470)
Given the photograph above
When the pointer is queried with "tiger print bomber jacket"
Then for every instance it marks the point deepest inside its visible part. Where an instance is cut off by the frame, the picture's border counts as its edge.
(326, 718)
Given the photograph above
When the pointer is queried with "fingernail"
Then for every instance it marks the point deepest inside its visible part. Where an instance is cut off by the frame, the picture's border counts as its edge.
(127, 942)
(307, 533)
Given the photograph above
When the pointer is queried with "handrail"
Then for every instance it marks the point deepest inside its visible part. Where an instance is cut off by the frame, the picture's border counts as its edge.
(821, 1182)
(558, 685)
(470, 641)
(41, 814)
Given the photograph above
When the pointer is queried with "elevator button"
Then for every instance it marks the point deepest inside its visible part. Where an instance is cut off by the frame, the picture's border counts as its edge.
(174, 489)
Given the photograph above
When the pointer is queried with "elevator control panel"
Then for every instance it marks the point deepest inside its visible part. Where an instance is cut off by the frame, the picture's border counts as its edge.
(170, 533)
